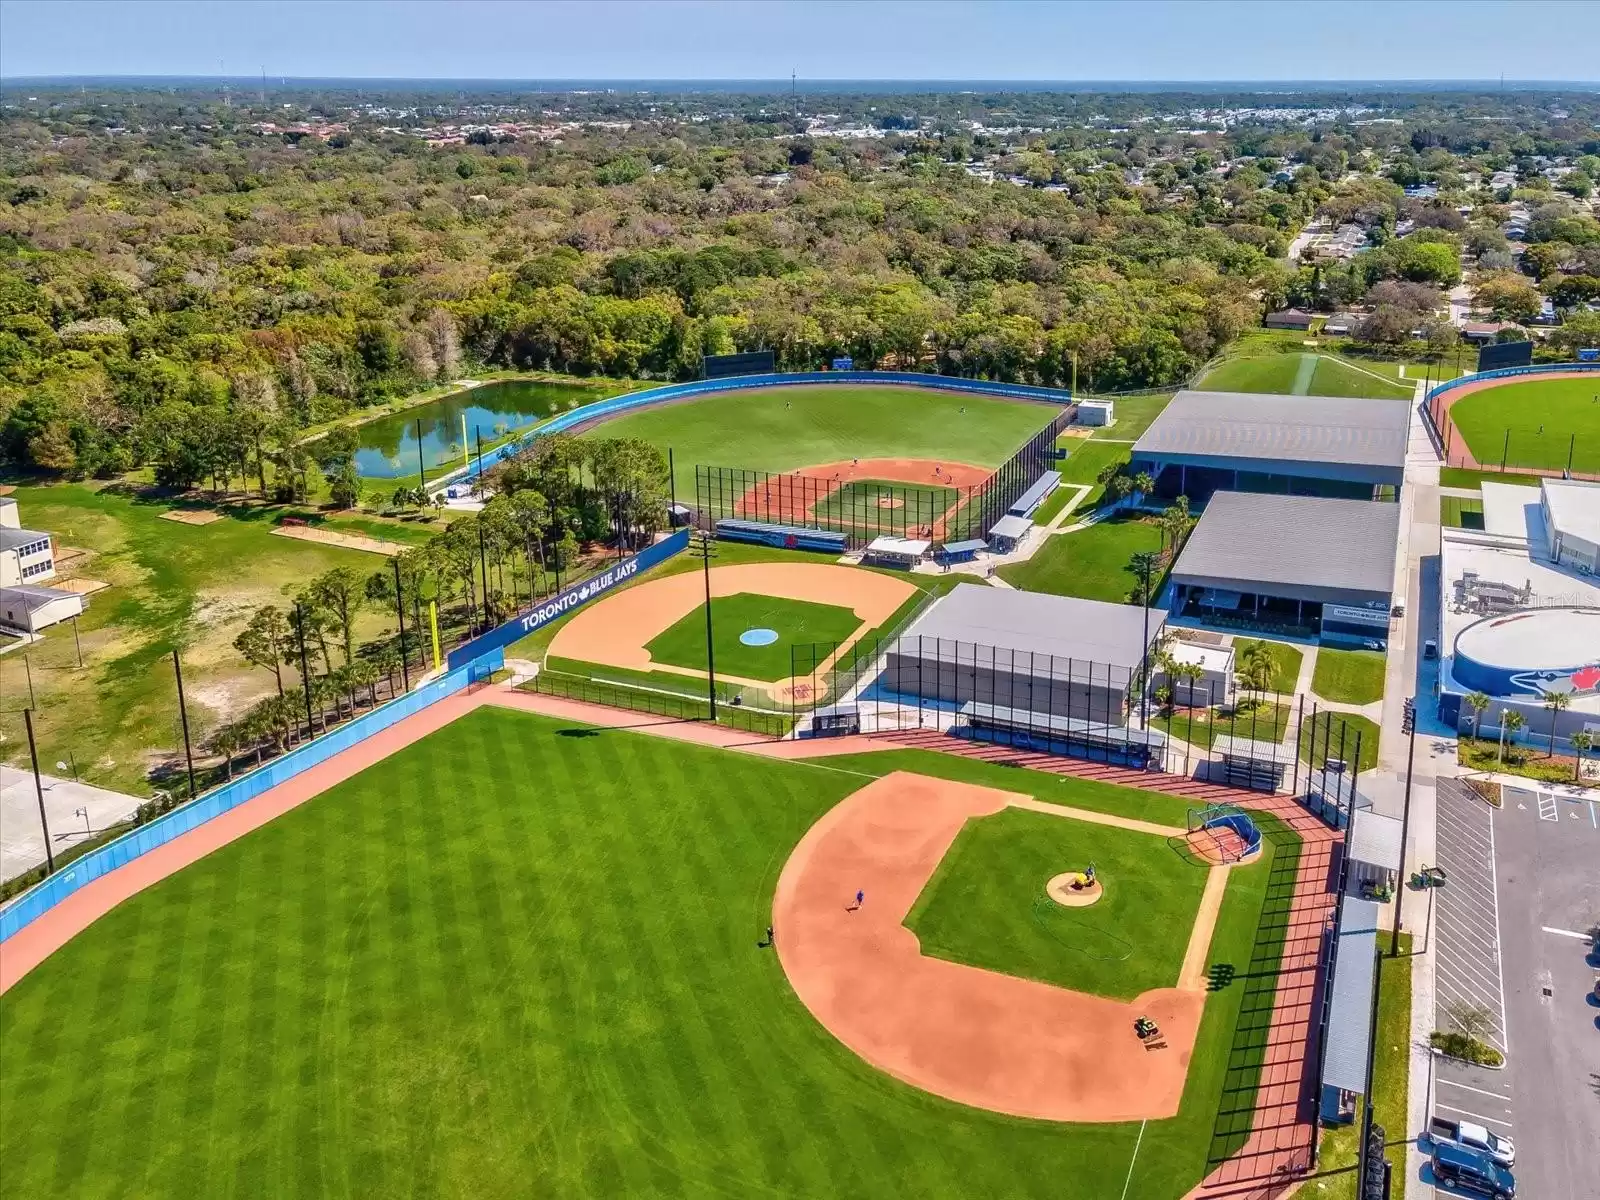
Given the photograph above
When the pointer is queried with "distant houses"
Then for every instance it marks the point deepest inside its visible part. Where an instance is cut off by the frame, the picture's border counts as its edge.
(27, 562)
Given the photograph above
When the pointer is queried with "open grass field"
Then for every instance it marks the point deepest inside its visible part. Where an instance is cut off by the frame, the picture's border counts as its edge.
(1547, 419)
(520, 957)
(1348, 676)
(784, 428)
(1133, 416)
(796, 622)
(986, 905)
(1336, 737)
(1091, 563)
(1286, 659)
(1307, 374)
(172, 585)
(1260, 722)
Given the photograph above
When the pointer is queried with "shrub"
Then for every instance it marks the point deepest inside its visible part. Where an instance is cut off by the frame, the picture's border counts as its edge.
(1465, 1047)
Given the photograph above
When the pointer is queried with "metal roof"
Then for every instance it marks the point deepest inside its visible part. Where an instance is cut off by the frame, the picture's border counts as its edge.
(906, 547)
(1301, 547)
(1344, 1065)
(1256, 431)
(1010, 526)
(1375, 839)
(31, 597)
(1085, 631)
(971, 546)
(1243, 749)
(1024, 720)
(13, 539)
(1034, 496)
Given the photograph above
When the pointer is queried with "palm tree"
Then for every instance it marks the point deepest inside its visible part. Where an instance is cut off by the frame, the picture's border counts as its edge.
(1510, 721)
(1555, 702)
(1582, 741)
(226, 741)
(1478, 702)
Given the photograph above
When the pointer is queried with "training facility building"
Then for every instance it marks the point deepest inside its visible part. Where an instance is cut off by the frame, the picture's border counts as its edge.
(1310, 564)
(1205, 442)
(1025, 651)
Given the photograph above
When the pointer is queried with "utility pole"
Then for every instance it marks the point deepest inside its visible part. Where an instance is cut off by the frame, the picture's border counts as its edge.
(422, 469)
(305, 669)
(38, 788)
(705, 550)
(400, 615)
(76, 641)
(1363, 1161)
(477, 431)
(1146, 562)
(483, 566)
(1409, 726)
(183, 712)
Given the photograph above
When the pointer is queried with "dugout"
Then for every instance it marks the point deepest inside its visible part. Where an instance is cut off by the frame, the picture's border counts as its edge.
(1008, 531)
(1028, 503)
(959, 552)
(1055, 655)
(1053, 733)
(1250, 763)
(839, 720)
(900, 553)
(784, 537)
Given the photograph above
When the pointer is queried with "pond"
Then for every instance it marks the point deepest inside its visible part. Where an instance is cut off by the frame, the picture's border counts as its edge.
(388, 447)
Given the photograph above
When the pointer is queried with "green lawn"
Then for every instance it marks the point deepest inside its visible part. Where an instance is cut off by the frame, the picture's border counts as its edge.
(1085, 461)
(1457, 512)
(1460, 477)
(173, 585)
(1336, 735)
(1091, 563)
(986, 905)
(885, 507)
(781, 429)
(1286, 660)
(796, 622)
(1348, 676)
(1546, 418)
(1337, 1153)
(520, 958)
(1301, 375)
(1133, 416)
(1264, 722)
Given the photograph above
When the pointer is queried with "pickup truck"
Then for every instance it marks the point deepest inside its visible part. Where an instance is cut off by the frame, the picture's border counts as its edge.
(1474, 1137)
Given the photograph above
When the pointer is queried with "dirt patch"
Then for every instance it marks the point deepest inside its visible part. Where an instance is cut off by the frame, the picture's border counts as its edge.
(81, 586)
(191, 516)
(1071, 889)
(616, 631)
(331, 537)
(978, 1037)
(890, 502)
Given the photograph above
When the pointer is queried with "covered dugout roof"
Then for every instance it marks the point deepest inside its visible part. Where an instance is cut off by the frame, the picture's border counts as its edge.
(1314, 548)
(1085, 630)
(1325, 437)
(1344, 1065)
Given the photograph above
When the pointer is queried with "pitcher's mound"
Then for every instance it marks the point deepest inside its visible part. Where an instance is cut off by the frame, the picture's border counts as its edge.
(1061, 890)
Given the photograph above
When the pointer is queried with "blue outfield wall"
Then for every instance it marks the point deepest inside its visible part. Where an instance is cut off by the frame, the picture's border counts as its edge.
(567, 600)
(38, 900)
(602, 409)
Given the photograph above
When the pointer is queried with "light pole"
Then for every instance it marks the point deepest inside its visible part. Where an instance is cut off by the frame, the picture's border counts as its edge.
(1145, 561)
(400, 616)
(183, 712)
(705, 550)
(38, 789)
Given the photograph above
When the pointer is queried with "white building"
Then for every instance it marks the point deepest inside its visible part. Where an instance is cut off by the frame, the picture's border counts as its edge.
(32, 609)
(27, 562)
(1571, 512)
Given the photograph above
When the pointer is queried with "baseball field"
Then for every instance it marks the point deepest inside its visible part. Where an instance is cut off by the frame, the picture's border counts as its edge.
(522, 955)
(1304, 375)
(1537, 423)
(786, 428)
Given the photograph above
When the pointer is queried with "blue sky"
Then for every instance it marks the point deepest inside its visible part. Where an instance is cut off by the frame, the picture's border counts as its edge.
(821, 39)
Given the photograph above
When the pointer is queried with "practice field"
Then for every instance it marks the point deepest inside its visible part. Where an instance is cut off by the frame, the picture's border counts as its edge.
(519, 957)
(1301, 375)
(882, 503)
(740, 628)
(1533, 424)
(785, 428)
(986, 905)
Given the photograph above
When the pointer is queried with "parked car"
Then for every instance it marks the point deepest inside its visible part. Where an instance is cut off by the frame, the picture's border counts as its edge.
(1399, 610)
(1472, 1171)
(1430, 649)
(1474, 1137)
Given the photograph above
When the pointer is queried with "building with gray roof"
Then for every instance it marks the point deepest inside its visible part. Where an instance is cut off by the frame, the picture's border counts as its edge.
(1204, 442)
(1322, 564)
(1348, 1034)
(1027, 652)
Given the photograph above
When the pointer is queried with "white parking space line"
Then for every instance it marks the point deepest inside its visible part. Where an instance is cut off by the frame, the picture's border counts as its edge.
(1593, 820)
(1481, 1118)
(1468, 1087)
(1549, 809)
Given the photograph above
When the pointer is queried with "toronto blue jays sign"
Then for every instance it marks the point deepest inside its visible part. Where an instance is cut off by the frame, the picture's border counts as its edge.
(569, 599)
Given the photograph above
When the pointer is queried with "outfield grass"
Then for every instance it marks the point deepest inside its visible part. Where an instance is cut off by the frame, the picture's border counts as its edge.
(783, 428)
(1092, 563)
(986, 904)
(1302, 375)
(1546, 418)
(796, 622)
(1286, 660)
(520, 958)
(1336, 735)
(1348, 676)
(173, 585)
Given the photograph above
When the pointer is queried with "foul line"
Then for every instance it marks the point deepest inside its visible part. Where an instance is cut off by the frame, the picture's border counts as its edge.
(1571, 933)
(1137, 1142)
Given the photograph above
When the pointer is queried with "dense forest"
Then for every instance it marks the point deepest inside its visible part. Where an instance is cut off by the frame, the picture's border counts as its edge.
(187, 282)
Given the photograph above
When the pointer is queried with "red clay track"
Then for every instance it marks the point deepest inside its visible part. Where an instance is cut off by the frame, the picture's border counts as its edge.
(1457, 453)
(792, 497)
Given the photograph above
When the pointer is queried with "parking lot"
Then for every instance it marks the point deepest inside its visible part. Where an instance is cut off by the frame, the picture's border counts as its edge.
(1511, 929)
